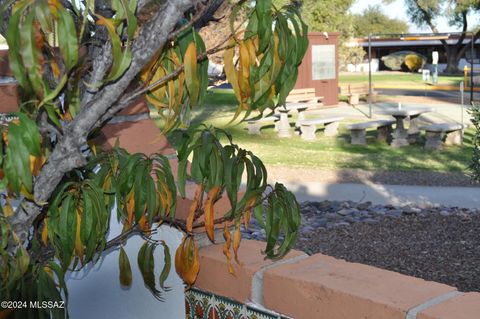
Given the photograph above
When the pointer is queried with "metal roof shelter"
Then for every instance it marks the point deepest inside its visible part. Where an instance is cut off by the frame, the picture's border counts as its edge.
(417, 37)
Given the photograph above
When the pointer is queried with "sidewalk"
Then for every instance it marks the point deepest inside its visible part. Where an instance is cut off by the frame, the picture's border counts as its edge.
(466, 197)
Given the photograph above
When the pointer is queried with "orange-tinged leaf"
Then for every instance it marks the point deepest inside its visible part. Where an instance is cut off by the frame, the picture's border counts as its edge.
(36, 163)
(45, 232)
(179, 266)
(210, 212)
(194, 207)
(48, 270)
(187, 260)
(130, 208)
(143, 223)
(237, 238)
(226, 248)
(5, 136)
(55, 69)
(248, 211)
(193, 262)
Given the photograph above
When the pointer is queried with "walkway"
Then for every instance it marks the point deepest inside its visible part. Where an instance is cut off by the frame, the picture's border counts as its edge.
(467, 197)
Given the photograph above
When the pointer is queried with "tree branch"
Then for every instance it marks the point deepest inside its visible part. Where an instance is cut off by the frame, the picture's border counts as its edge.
(67, 154)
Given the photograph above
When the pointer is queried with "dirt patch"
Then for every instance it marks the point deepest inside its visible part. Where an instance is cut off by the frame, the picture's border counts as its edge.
(417, 178)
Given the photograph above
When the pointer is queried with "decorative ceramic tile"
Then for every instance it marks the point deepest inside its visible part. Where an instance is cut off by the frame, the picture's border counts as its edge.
(204, 305)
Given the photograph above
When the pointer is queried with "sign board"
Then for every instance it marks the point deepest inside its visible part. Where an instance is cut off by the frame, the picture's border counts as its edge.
(435, 57)
(323, 62)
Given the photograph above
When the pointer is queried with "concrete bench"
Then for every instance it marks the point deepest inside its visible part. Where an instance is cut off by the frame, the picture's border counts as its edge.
(358, 131)
(254, 126)
(309, 127)
(353, 92)
(435, 133)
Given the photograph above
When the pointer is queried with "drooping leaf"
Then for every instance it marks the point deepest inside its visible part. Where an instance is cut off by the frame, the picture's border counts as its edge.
(167, 265)
(125, 269)
(191, 73)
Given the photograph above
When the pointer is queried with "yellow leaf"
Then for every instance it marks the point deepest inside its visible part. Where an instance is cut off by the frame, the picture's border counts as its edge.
(244, 72)
(92, 146)
(157, 94)
(45, 232)
(7, 210)
(191, 76)
(78, 242)
(26, 193)
(230, 70)
(180, 79)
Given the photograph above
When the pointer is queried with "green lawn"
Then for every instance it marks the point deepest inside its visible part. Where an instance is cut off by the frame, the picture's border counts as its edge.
(329, 152)
(397, 78)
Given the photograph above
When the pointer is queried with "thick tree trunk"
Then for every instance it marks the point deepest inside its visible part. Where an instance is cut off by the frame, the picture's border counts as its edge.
(452, 59)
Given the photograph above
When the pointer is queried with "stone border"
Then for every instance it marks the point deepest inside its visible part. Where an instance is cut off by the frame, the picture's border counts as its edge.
(319, 286)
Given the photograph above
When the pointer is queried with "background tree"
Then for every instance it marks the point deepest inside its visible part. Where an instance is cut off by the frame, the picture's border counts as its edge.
(424, 13)
(373, 20)
(59, 190)
(328, 16)
(351, 54)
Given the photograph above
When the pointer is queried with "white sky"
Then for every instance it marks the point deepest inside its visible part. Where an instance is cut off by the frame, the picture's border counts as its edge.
(398, 11)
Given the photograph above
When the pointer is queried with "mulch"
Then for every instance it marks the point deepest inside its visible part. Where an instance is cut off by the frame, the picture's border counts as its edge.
(444, 249)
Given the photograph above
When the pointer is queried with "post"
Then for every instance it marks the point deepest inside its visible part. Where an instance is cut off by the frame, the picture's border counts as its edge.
(370, 75)
(465, 75)
(471, 67)
(462, 87)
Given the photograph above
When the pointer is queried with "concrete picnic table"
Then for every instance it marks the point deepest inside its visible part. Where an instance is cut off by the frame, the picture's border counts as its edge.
(400, 134)
(284, 125)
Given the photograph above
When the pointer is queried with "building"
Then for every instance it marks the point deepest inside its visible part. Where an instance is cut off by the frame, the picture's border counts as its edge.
(423, 44)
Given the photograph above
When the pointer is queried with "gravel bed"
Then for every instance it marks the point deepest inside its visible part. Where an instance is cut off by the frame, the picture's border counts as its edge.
(435, 243)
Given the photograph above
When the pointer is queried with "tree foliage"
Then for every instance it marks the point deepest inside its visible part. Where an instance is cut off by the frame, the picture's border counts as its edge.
(351, 54)
(60, 190)
(373, 20)
(325, 16)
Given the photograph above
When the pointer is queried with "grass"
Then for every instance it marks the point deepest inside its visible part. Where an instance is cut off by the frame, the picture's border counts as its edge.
(330, 152)
(397, 78)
